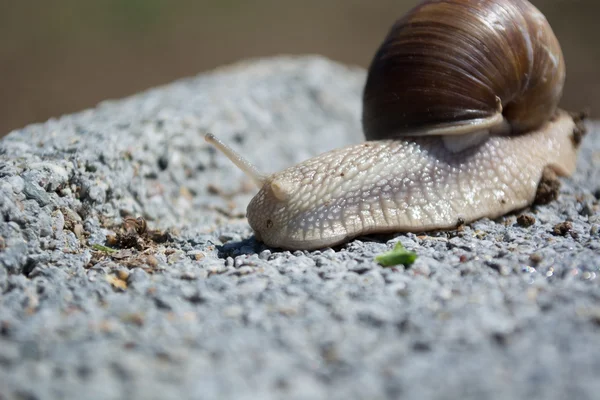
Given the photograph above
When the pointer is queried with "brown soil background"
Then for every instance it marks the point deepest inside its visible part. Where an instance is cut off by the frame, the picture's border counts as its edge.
(60, 56)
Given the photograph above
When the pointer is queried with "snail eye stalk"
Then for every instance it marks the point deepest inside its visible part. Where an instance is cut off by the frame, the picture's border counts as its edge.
(243, 164)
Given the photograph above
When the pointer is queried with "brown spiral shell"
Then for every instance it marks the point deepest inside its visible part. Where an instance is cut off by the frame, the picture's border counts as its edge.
(457, 66)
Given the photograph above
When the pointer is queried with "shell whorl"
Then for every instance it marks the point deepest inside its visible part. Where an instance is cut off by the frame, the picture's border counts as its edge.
(457, 66)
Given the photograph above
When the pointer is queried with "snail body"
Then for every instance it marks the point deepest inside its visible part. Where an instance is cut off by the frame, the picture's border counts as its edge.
(460, 115)
(359, 189)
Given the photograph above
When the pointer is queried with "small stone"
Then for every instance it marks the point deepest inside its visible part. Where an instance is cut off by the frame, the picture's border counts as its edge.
(186, 193)
(233, 311)
(9, 354)
(34, 192)
(245, 270)
(216, 268)
(586, 210)
(163, 162)
(188, 276)
(71, 218)
(445, 293)
(137, 275)
(133, 318)
(116, 282)
(58, 223)
(78, 231)
(399, 289)
(150, 261)
(17, 183)
(196, 255)
(45, 223)
(421, 269)
(229, 237)
(51, 176)
(500, 266)
(176, 256)
(122, 274)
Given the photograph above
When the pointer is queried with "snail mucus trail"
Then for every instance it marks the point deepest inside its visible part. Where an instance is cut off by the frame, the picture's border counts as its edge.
(460, 113)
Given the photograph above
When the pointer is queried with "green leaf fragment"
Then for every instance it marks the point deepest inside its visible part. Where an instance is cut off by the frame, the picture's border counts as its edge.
(399, 255)
(105, 249)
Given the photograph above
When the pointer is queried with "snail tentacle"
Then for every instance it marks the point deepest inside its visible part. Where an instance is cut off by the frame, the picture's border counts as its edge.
(242, 163)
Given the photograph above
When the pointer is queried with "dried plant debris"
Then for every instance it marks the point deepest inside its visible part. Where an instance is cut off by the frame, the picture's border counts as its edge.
(129, 258)
(580, 129)
(564, 229)
(526, 220)
(548, 188)
(74, 222)
(133, 245)
(134, 233)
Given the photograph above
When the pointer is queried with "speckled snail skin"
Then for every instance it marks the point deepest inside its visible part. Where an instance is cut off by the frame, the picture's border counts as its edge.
(461, 119)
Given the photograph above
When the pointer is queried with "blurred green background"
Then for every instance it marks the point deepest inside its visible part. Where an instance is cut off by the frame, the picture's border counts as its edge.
(60, 56)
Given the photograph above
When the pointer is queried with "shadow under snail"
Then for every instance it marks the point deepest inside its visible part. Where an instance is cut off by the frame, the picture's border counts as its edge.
(461, 120)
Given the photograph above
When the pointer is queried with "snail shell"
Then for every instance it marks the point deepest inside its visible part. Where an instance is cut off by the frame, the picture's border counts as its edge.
(460, 113)
(459, 66)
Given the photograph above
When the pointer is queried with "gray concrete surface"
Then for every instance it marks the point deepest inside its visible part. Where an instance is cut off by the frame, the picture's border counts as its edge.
(494, 311)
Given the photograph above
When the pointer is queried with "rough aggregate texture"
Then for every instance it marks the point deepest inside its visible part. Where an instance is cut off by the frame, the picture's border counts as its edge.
(199, 309)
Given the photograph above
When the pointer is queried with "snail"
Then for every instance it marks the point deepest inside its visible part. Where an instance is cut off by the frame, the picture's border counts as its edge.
(461, 117)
